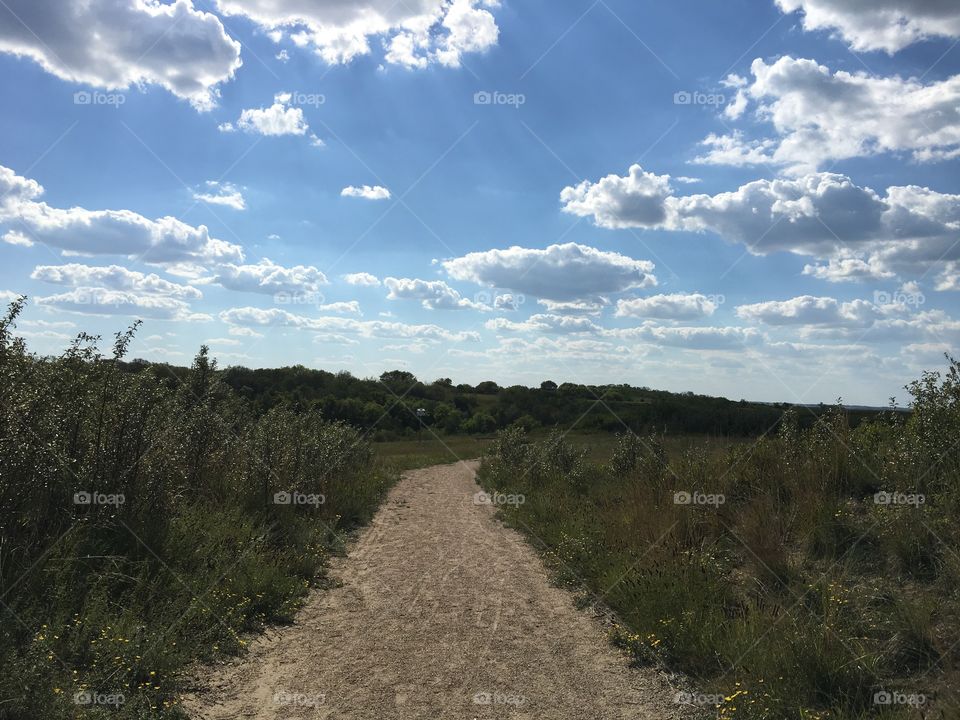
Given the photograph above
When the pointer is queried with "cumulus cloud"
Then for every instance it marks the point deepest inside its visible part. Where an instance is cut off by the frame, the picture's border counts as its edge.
(362, 278)
(546, 323)
(367, 192)
(165, 240)
(809, 310)
(217, 193)
(576, 307)
(909, 230)
(822, 116)
(676, 306)
(562, 273)
(692, 338)
(888, 25)
(433, 294)
(255, 317)
(615, 202)
(113, 277)
(414, 34)
(343, 307)
(279, 119)
(116, 44)
(269, 278)
(101, 301)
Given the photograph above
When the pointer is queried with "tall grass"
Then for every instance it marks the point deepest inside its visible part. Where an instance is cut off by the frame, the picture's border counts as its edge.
(776, 575)
(184, 544)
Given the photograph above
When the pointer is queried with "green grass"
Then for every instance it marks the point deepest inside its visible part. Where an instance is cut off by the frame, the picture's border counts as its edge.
(796, 598)
(403, 455)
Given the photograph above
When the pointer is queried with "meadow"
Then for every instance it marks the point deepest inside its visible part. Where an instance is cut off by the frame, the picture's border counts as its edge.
(809, 574)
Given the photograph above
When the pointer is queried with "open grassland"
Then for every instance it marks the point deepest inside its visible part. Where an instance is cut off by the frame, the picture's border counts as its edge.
(147, 522)
(811, 574)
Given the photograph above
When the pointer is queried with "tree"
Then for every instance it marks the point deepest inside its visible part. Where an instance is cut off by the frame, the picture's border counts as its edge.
(488, 387)
(548, 385)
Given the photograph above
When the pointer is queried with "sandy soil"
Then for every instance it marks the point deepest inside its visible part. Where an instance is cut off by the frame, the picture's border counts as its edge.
(442, 613)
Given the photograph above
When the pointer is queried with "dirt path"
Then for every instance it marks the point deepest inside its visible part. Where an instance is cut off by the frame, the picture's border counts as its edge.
(443, 613)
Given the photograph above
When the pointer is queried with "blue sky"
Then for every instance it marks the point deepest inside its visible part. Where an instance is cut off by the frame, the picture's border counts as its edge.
(750, 199)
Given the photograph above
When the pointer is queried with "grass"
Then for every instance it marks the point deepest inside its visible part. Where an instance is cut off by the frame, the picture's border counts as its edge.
(187, 545)
(402, 455)
(786, 591)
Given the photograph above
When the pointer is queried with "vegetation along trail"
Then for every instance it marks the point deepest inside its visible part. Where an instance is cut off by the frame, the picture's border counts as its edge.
(442, 612)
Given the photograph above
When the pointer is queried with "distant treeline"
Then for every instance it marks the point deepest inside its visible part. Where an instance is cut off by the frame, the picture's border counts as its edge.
(387, 406)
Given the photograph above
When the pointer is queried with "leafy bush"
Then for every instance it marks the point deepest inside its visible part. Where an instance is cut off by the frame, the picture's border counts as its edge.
(139, 528)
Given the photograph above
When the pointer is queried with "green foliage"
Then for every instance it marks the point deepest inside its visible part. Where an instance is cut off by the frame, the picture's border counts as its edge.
(824, 572)
(182, 547)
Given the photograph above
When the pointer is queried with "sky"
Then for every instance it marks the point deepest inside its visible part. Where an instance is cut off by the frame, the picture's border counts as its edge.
(756, 199)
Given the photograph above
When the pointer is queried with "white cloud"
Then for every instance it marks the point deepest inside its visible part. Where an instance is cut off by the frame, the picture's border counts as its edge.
(676, 306)
(560, 272)
(113, 277)
(362, 278)
(255, 317)
(367, 192)
(100, 301)
(244, 332)
(278, 119)
(414, 34)
(433, 294)
(809, 310)
(267, 277)
(822, 116)
(349, 307)
(116, 44)
(165, 240)
(224, 341)
(908, 231)
(888, 25)
(221, 194)
(692, 338)
(17, 238)
(546, 323)
(615, 202)
(576, 307)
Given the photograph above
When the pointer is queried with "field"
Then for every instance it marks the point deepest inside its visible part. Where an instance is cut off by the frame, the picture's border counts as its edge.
(811, 574)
